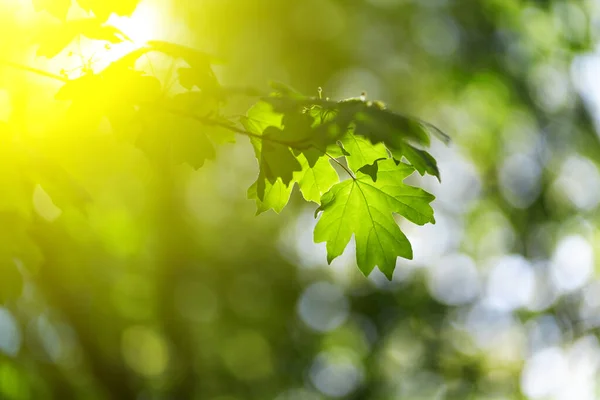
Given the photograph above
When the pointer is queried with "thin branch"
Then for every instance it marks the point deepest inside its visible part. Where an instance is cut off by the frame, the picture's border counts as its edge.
(232, 128)
(235, 129)
(203, 120)
(34, 70)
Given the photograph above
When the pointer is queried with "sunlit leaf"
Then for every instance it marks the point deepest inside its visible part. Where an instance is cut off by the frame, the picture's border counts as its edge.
(276, 196)
(364, 208)
(360, 151)
(277, 163)
(315, 180)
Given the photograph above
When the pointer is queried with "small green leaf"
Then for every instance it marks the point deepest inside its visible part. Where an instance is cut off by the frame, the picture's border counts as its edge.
(276, 196)
(315, 180)
(363, 208)
(421, 160)
(275, 159)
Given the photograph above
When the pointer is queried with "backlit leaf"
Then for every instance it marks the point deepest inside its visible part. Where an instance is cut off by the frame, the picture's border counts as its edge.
(276, 196)
(421, 160)
(364, 208)
(361, 151)
(315, 180)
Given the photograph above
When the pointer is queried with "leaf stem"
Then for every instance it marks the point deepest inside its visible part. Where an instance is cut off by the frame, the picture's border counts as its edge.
(235, 129)
(335, 160)
(232, 128)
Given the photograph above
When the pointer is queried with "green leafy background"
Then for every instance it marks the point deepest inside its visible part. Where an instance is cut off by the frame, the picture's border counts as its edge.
(132, 264)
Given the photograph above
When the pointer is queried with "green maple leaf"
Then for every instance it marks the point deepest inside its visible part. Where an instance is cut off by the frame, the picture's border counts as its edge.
(314, 181)
(364, 208)
(421, 160)
(276, 196)
(370, 123)
(276, 161)
(361, 152)
(259, 117)
(280, 167)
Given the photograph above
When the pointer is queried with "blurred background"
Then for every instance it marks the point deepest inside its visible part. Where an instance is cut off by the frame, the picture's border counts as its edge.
(163, 284)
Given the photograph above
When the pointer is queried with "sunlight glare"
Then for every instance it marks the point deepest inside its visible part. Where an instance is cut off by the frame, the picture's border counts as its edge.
(149, 21)
(146, 23)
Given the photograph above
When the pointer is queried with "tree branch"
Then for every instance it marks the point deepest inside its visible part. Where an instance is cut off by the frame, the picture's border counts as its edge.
(33, 70)
(203, 120)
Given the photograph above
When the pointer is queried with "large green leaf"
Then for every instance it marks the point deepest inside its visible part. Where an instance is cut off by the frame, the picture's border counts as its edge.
(276, 161)
(259, 117)
(355, 123)
(364, 208)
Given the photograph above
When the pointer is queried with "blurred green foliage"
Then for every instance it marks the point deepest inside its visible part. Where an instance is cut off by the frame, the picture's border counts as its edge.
(144, 279)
